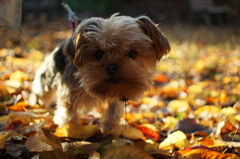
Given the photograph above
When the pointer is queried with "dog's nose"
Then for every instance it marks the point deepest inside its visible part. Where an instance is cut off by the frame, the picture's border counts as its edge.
(111, 69)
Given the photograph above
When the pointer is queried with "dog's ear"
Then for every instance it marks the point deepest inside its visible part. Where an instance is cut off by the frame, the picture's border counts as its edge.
(69, 48)
(160, 42)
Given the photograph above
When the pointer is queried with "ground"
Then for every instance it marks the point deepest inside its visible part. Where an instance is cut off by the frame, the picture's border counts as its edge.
(191, 111)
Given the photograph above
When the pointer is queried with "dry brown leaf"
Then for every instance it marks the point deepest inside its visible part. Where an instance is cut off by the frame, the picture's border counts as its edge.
(84, 146)
(13, 150)
(40, 142)
(152, 148)
(188, 125)
(126, 152)
(14, 125)
(5, 136)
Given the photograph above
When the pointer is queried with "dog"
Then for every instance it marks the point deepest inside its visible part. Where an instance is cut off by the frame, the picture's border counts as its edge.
(105, 61)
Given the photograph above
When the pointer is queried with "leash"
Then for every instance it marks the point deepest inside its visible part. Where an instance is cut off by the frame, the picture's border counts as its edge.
(75, 21)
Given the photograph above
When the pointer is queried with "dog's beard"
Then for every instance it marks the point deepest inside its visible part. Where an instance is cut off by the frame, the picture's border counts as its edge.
(129, 82)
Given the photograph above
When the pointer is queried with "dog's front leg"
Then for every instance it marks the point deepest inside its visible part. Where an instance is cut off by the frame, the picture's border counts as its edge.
(112, 115)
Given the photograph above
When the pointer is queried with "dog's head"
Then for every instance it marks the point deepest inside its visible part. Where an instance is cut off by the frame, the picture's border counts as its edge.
(116, 56)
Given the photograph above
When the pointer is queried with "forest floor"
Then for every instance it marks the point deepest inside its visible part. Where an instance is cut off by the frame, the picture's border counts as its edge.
(191, 111)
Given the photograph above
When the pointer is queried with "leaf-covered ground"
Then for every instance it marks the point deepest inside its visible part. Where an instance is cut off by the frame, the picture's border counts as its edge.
(191, 111)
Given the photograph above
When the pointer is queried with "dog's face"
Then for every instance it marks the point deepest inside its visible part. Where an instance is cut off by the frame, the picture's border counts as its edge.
(116, 57)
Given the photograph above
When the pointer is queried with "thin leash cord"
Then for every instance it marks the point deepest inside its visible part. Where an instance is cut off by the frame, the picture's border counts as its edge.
(126, 117)
(71, 15)
(125, 101)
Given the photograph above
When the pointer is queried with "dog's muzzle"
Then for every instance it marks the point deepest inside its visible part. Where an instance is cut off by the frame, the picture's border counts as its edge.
(111, 69)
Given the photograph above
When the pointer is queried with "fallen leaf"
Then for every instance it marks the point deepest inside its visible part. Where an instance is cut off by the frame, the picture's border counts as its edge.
(179, 106)
(14, 84)
(189, 126)
(175, 140)
(149, 131)
(27, 117)
(208, 142)
(126, 152)
(208, 108)
(94, 155)
(127, 131)
(4, 118)
(4, 94)
(40, 142)
(20, 106)
(84, 146)
(170, 123)
(13, 150)
(5, 136)
(18, 76)
(194, 152)
(76, 131)
(217, 155)
(14, 125)
(161, 78)
(169, 92)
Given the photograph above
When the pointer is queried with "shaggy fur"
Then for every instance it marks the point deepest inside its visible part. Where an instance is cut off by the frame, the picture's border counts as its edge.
(105, 61)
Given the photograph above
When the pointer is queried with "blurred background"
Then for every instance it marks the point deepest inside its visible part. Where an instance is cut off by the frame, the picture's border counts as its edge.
(208, 12)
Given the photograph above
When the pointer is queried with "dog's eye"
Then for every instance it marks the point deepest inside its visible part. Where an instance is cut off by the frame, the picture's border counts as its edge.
(99, 54)
(132, 54)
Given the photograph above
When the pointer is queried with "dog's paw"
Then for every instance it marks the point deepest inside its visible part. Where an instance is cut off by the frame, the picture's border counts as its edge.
(105, 127)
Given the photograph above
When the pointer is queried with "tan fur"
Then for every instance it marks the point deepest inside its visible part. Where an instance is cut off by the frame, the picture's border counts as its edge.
(84, 81)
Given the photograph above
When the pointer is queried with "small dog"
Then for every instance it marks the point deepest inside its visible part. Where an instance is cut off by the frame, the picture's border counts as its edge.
(105, 61)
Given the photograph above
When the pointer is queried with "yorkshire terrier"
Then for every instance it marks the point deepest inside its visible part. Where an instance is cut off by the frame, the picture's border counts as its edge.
(106, 61)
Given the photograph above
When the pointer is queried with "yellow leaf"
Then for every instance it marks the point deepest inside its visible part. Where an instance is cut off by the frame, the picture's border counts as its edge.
(170, 123)
(94, 155)
(208, 108)
(195, 89)
(13, 83)
(127, 131)
(76, 131)
(27, 117)
(4, 118)
(179, 106)
(198, 88)
(237, 117)
(4, 93)
(229, 111)
(175, 140)
(18, 76)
